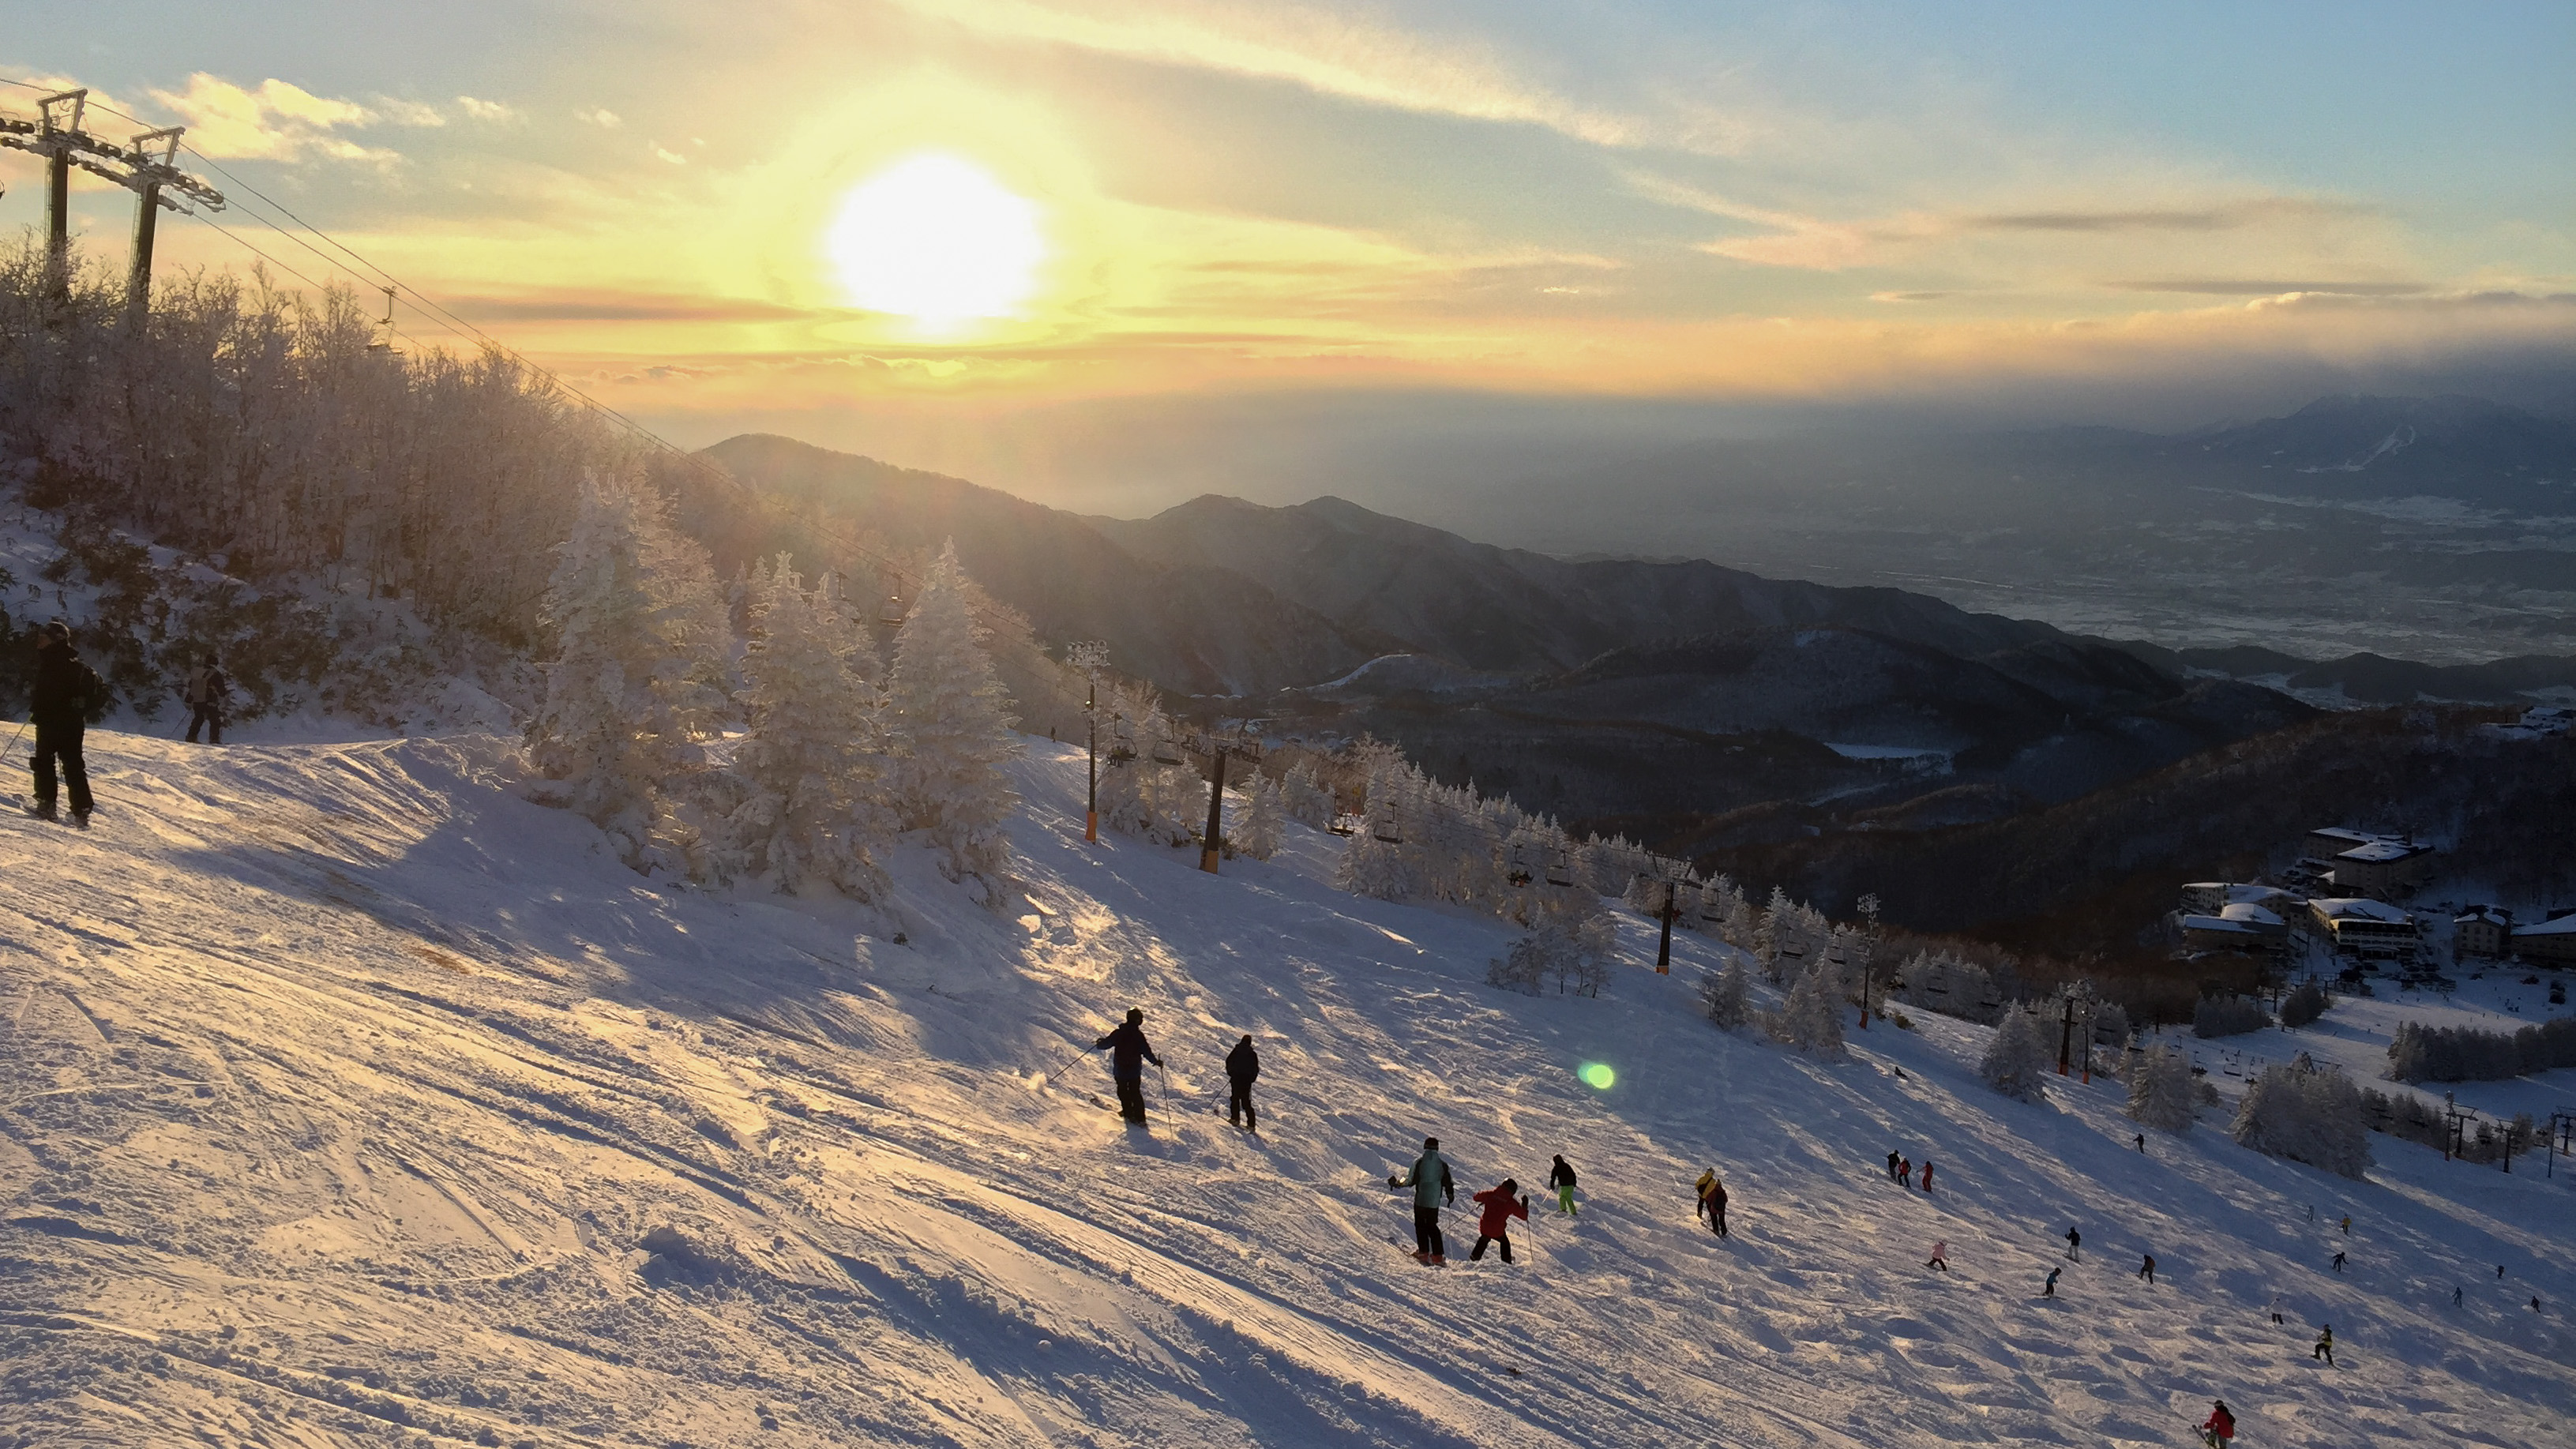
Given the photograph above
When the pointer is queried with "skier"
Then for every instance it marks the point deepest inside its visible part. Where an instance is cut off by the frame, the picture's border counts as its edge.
(1712, 1201)
(2535, 1303)
(2219, 1427)
(2325, 1346)
(204, 695)
(1905, 1172)
(60, 699)
(1940, 1255)
(2276, 1309)
(1892, 1174)
(1431, 1184)
(1927, 1174)
(2049, 1289)
(2142, 1142)
(2455, 1295)
(2074, 1246)
(1561, 1177)
(2347, 1225)
(1242, 1065)
(2338, 1260)
(2147, 1269)
(2499, 1270)
(1502, 1203)
(1128, 1052)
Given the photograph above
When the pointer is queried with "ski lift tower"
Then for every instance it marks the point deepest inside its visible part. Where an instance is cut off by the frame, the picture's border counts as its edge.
(147, 168)
(1212, 842)
(1090, 656)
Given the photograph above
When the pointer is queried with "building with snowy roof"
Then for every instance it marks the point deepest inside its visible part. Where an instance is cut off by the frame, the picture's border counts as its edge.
(2240, 926)
(2209, 898)
(2481, 931)
(2553, 940)
(2362, 927)
(2383, 867)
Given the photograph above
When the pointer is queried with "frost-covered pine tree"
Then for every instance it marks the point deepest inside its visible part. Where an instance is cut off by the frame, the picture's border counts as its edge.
(813, 761)
(1728, 994)
(2307, 1114)
(2162, 1093)
(2017, 1058)
(639, 626)
(1812, 1018)
(952, 732)
(1256, 831)
(1305, 796)
(1372, 867)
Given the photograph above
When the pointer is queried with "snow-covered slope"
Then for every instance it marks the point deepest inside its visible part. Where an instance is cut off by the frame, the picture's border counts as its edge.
(341, 1087)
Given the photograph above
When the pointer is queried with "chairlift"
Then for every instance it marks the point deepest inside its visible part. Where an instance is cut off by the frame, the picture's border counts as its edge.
(1166, 753)
(1122, 743)
(1560, 867)
(1519, 871)
(1345, 823)
(891, 611)
(1388, 829)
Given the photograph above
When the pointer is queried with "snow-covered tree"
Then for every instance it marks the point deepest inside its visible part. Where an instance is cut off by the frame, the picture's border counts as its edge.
(1812, 1018)
(813, 760)
(1256, 831)
(2308, 1114)
(2228, 1015)
(1941, 982)
(1571, 953)
(638, 624)
(2302, 1004)
(952, 731)
(1305, 796)
(1372, 867)
(1728, 994)
(2162, 1093)
(2018, 1057)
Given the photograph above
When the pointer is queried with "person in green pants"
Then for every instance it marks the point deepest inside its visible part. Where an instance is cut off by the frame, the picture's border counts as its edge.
(1561, 1177)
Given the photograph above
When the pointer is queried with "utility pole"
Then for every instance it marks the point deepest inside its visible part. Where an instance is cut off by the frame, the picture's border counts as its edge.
(1216, 806)
(2066, 1034)
(1090, 656)
(1664, 951)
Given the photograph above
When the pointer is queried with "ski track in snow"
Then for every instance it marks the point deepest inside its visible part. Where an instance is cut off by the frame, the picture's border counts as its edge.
(341, 1085)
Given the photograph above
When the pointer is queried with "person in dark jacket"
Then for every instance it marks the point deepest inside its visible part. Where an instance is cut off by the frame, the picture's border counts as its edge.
(2074, 1246)
(1432, 1185)
(1561, 1177)
(204, 693)
(66, 690)
(1242, 1065)
(1501, 1204)
(1712, 1201)
(1128, 1052)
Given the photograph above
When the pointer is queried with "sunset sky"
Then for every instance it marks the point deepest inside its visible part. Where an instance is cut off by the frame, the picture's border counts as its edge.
(1273, 225)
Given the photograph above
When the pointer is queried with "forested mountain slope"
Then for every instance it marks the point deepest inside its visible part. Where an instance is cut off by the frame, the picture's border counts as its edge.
(350, 1098)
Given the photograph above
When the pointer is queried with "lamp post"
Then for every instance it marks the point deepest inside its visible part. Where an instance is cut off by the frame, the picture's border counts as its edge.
(1091, 656)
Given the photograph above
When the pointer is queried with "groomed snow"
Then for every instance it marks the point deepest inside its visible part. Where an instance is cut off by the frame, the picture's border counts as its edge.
(341, 1086)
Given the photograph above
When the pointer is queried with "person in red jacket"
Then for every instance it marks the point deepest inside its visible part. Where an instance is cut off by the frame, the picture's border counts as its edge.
(2219, 1427)
(1501, 1204)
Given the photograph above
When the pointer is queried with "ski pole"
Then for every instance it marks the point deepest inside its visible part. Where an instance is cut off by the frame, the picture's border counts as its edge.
(14, 739)
(1049, 1076)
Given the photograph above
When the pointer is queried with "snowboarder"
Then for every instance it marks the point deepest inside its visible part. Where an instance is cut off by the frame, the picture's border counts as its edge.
(60, 699)
(1892, 1160)
(2049, 1288)
(204, 693)
(1927, 1174)
(2338, 1260)
(1940, 1255)
(1561, 1177)
(1431, 1184)
(2219, 1427)
(2147, 1269)
(1242, 1065)
(1502, 1203)
(2074, 1246)
(2325, 1345)
(1128, 1052)
(1712, 1201)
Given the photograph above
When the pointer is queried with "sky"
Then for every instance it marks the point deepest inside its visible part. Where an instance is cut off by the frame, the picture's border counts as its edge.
(1113, 254)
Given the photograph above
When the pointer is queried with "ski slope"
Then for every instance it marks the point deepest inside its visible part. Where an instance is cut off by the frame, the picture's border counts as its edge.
(342, 1086)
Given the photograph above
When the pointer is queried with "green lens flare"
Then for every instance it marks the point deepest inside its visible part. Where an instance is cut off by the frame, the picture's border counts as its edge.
(1597, 1076)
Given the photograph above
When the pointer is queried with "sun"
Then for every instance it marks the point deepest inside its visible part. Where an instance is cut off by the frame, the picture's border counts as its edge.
(936, 238)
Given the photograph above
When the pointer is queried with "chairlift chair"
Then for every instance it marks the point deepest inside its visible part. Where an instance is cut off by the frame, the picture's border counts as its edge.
(1345, 823)
(891, 611)
(1166, 753)
(1388, 829)
(1519, 871)
(1560, 867)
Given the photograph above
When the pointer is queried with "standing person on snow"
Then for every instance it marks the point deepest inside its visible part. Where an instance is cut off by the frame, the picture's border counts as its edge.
(1905, 1172)
(1892, 1174)
(1561, 1177)
(2147, 1269)
(2276, 1308)
(204, 695)
(1940, 1255)
(2142, 1142)
(2074, 1246)
(1242, 1065)
(1927, 1174)
(1431, 1185)
(2347, 1225)
(65, 690)
(2338, 1260)
(2049, 1288)
(2219, 1427)
(1712, 1201)
(1128, 1052)
(1501, 1203)
(2325, 1345)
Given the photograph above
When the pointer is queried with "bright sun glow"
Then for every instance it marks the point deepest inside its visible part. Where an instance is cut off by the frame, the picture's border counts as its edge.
(1597, 1076)
(935, 238)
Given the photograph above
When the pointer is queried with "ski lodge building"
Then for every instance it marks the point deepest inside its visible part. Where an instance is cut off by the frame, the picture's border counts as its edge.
(2553, 940)
(2361, 864)
(2368, 928)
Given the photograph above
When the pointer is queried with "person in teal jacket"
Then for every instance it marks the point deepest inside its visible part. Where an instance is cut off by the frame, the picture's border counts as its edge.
(1432, 1185)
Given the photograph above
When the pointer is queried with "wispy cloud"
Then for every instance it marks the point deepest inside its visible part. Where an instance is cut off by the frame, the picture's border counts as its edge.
(2221, 216)
(2234, 287)
(482, 110)
(278, 121)
(600, 116)
(1334, 55)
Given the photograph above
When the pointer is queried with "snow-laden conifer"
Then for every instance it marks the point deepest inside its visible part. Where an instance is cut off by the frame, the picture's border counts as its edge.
(2018, 1057)
(1728, 994)
(813, 760)
(2308, 1114)
(2162, 1093)
(1812, 1018)
(952, 731)
(1256, 831)
(2302, 1004)
(1305, 796)
(1570, 953)
(2228, 1015)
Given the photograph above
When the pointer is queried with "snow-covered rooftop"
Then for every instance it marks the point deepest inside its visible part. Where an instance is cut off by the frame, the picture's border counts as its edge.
(2360, 908)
